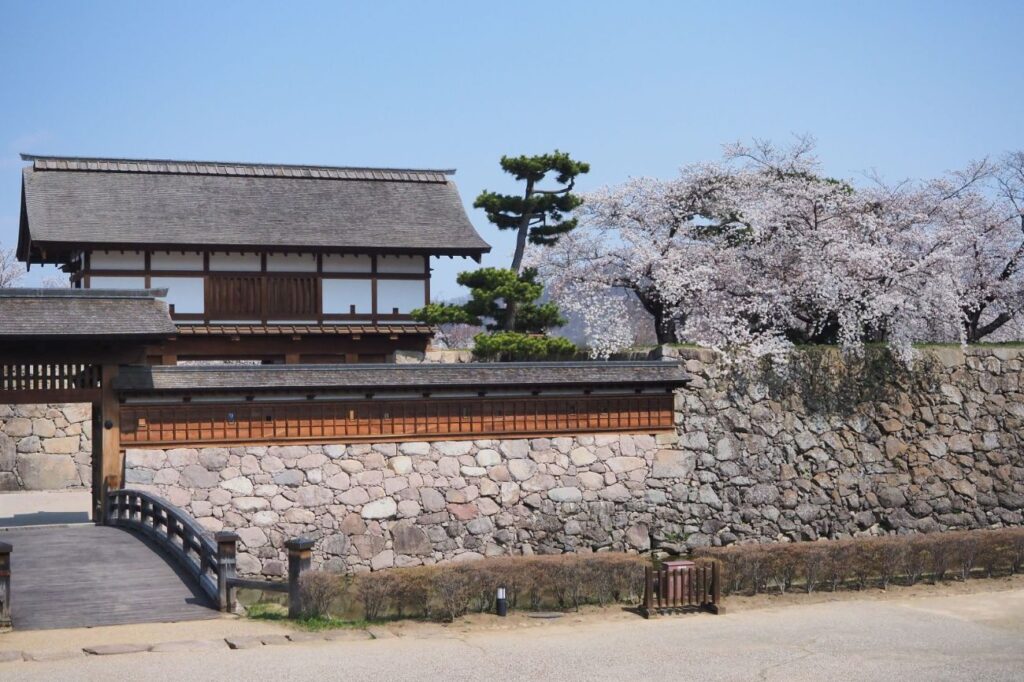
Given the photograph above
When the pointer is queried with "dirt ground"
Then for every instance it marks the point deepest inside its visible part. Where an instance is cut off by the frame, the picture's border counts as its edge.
(230, 625)
(477, 622)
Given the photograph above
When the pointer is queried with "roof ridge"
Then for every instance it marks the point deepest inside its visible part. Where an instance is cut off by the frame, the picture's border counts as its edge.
(242, 168)
(355, 367)
(43, 292)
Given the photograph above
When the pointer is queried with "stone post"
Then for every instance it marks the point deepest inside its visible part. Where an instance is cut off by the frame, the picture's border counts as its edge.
(5, 585)
(300, 559)
(227, 549)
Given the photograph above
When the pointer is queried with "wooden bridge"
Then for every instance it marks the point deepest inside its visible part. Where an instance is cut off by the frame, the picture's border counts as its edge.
(148, 562)
(86, 575)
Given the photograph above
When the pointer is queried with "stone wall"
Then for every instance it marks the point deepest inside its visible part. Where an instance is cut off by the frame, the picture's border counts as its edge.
(740, 466)
(45, 447)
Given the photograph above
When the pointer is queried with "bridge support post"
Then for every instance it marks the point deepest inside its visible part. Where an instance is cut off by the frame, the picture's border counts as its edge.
(5, 585)
(227, 549)
(300, 560)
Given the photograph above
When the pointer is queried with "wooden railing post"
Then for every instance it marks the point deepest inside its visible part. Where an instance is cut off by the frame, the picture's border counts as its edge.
(227, 549)
(716, 588)
(648, 591)
(300, 560)
(5, 585)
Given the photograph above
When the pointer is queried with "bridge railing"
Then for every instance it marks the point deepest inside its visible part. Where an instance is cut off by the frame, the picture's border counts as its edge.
(211, 562)
(173, 529)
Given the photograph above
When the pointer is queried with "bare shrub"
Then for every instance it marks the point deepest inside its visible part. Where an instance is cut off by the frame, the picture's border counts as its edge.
(837, 565)
(317, 592)
(781, 565)
(814, 560)
(1015, 545)
(890, 557)
(916, 559)
(939, 556)
(453, 587)
(375, 590)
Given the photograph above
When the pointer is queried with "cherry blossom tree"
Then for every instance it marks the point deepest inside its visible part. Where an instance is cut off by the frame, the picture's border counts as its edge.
(763, 251)
(11, 271)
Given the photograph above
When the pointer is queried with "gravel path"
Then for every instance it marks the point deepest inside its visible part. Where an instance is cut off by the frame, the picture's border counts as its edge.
(974, 637)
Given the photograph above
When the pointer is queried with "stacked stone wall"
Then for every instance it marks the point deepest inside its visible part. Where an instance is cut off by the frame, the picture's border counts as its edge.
(740, 466)
(45, 447)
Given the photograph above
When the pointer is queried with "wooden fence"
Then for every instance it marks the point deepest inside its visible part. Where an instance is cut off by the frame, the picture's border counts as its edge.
(678, 589)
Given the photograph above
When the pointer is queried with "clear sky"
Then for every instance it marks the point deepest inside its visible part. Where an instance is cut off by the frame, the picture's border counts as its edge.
(638, 88)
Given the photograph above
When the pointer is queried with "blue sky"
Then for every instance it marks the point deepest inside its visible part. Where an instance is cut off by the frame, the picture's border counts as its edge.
(909, 88)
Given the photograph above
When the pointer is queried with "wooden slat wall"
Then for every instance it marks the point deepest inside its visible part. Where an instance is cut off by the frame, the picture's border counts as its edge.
(258, 297)
(48, 376)
(356, 421)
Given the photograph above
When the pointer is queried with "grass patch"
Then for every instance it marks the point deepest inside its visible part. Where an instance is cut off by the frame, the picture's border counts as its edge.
(279, 613)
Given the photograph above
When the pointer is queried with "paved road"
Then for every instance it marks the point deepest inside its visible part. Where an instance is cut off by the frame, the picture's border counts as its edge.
(978, 637)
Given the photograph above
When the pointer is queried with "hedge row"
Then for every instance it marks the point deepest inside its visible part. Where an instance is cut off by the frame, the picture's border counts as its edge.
(447, 591)
(866, 562)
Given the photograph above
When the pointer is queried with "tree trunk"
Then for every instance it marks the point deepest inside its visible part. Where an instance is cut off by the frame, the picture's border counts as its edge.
(664, 321)
(524, 230)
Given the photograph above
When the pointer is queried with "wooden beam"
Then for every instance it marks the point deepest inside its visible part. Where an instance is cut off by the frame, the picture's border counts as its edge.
(112, 459)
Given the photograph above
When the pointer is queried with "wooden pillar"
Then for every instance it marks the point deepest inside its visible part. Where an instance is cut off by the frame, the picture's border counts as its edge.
(112, 460)
(5, 585)
(98, 481)
(300, 559)
(227, 550)
(292, 358)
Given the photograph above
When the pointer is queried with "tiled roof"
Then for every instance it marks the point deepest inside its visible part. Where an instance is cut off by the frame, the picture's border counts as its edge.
(124, 203)
(302, 329)
(72, 313)
(375, 376)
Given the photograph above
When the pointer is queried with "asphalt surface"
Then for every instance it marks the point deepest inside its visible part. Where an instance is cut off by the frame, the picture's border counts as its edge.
(969, 637)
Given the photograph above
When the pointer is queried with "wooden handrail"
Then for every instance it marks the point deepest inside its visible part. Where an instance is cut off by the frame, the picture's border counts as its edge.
(174, 531)
(210, 562)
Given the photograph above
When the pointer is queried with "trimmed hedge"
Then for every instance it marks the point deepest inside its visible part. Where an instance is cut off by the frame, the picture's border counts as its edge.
(445, 592)
(869, 562)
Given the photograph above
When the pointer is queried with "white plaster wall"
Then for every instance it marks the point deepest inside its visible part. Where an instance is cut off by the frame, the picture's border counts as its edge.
(349, 262)
(115, 260)
(339, 294)
(176, 261)
(406, 264)
(185, 293)
(117, 282)
(291, 262)
(244, 262)
(399, 293)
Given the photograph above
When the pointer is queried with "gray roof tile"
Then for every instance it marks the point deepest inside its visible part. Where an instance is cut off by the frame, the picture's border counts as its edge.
(72, 313)
(170, 203)
(379, 376)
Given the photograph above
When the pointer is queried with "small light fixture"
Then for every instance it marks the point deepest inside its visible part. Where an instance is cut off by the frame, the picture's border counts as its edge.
(108, 424)
(501, 603)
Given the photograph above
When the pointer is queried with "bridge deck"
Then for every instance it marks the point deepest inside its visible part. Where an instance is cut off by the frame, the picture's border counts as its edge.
(87, 575)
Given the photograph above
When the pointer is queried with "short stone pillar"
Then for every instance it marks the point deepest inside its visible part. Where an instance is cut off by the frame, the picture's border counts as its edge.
(5, 585)
(227, 550)
(300, 560)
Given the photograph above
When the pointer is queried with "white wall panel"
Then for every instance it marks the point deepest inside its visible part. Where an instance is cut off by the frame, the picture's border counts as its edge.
(115, 260)
(245, 262)
(408, 264)
(339, 294)
(348, 262)
(185, 293)
(291, 262)
(117, 282)
(404, 294)
(161, 260)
